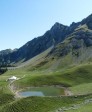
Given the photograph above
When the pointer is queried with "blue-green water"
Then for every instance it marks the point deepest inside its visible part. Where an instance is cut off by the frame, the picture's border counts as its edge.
(31, 93)
(42, 91)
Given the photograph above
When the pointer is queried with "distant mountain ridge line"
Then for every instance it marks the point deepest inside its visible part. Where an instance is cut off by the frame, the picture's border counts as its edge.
(57, 34)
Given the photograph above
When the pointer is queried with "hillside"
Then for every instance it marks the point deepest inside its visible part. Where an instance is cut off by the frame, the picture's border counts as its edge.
(76, 36)
(75, 49)
(78, 44)
(55, 35)
(35, 46)
(77, 79)
(60, 61)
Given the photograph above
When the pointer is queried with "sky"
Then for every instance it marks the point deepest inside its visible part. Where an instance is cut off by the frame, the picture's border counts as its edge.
(23, 20)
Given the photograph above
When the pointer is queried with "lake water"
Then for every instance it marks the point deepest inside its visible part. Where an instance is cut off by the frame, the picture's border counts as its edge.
(31, 93)
(42, 91)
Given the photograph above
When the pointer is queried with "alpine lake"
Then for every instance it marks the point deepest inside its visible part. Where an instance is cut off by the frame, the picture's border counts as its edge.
(42, 91)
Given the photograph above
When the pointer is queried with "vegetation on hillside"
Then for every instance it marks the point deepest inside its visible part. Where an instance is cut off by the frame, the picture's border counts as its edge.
(67, 64)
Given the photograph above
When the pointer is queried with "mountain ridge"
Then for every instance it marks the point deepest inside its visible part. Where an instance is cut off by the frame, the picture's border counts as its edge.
(56, 35)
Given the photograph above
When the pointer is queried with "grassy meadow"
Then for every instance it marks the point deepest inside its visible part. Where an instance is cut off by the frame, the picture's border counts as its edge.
(76, 78)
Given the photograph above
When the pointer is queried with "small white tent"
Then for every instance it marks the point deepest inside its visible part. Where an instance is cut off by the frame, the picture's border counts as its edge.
(12, 78)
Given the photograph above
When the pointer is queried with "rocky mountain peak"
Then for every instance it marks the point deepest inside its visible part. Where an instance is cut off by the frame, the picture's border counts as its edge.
(88, 21)
(58, 33)
(57, 26)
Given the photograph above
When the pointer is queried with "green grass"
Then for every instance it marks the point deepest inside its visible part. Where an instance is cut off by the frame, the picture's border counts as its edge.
(5, 98)
(78, 78)
(49, 70)
(82, 89)
(4, 85)
(42, 104)
(35, 60)
(71, 77)
(84, 108)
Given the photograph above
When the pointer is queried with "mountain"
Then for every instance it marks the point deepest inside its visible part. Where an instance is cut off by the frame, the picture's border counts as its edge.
(78, 44)
(64, 39)
(32, 48)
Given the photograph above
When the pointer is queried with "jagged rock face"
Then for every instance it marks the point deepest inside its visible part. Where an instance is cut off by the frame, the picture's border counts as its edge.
(75, 41)
(58, 32)
(76, 38)
(88, 21)
(4, 52)
(52, 37)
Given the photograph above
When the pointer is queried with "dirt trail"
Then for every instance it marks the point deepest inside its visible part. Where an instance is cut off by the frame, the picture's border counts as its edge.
(68, 92)
(13, 88)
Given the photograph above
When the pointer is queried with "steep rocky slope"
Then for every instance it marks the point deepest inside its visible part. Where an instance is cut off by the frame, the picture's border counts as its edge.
(74, 38)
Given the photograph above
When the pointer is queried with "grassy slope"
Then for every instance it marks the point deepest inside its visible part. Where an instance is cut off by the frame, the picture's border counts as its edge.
(40, 71)
(35, 60)
(41, 104)
(84, 88)
(5, 99)
(71, 77)
(76, 78)
(84, 108)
